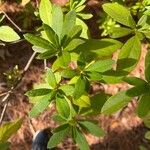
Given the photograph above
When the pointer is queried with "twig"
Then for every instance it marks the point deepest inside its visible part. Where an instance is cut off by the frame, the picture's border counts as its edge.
(5, 99)
(5, 93)
(33, 131)
(45, 64)
(29, 62)
(3, 112)
(11, 21)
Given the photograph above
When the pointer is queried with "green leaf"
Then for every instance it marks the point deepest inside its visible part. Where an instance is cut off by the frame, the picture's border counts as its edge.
(147, 66)
(85, 16)
(79, 9)
(68, 73)
(38, 92)
(83, 101)
(113, 76)
(38, 49)
(93, 128)
(41, 105)
(97, 101)
(62, 61)
(142, 20)
(58, 118)
(4, 146)
(50, 78)
(69, 22)
(115, 103)
(62, 106)
(144, 105)
(134, 81)
(85, 31)
(45, 11)
(67, 89)
(147, 135)
(53, 37)
(47, 54)
(102, 47)
(130, 53)
(94, 76)
(73, 44)
(81, 140)
(75, 32)
(100, 66)
(39, 42)
(138, 90)
(118, 32)
(80, 87)
(57, 137)
(76, 3)
(57, 20)
(8, 129)
(7, 34)
(119, 13)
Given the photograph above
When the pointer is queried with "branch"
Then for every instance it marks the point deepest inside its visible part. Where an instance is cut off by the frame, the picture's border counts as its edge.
(6, 98)
(11, 21)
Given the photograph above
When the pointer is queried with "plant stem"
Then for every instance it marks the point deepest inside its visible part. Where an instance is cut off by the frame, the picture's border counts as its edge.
(6, 98)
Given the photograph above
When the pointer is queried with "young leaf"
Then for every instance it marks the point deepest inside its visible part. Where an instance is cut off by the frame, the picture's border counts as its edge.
(85, 31)
(38, 41)
(67, 89)
(80, 87)
(144, 105)
(50, 78)
(130, 53)
(83, 101)
(85, 16)
(8, 129)
(81, 140)
(147, 66)
(45, 11)
(57, 137)
(69, 22)
(38, 49)
(41, 105)
(38, 92)
(119, 13)
(62, 106)
(62, 61)
(80, 8)
(57, 20)
(115, 103)
(100, 66)
(118, 32)
(93, 128)
(53, 37)
(7, 34)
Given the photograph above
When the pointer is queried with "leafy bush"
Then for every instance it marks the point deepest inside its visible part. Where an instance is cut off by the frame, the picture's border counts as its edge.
(80, 61)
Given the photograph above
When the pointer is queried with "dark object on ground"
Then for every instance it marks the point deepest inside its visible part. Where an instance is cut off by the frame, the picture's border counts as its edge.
(41, 139)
